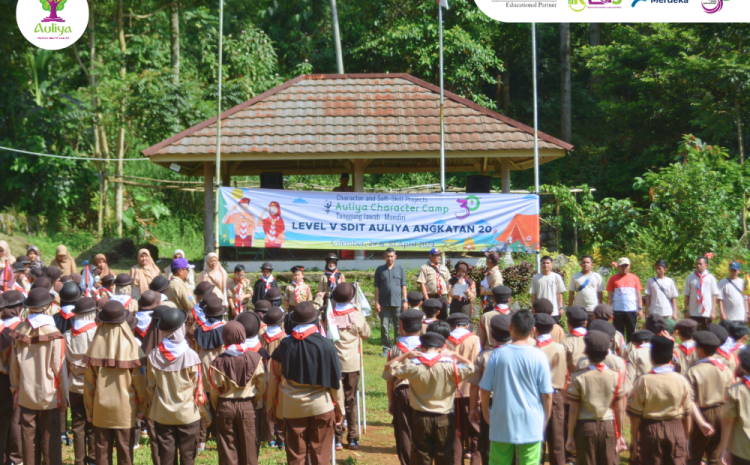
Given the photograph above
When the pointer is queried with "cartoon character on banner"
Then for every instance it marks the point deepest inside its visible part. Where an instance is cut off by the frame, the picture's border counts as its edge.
(243, 221)
(273, 226)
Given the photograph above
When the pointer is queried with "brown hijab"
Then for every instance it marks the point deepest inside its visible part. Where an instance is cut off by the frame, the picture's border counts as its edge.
(241, 368)
(215, 275)
(67, 264)
(144, 274)
(114, 346)
(100, 261)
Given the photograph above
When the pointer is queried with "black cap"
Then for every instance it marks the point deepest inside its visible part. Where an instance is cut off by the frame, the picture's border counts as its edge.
(576, 314)
(432, 339)
(432, 304)
(12, 298)
(171, 319)
(543, 306)
(686, 325)
(43, 282)
(275, 294)
(70, 292)
(501, 292)
(458, 318)
(661, 349)
(604, 326)
(707, 340)
(656, 323)
(159, 284)
(266, 266)
(38, 297)
(114, 312)
(414, 296)
(331, 257)
(18, 266)
(275, 316)
(251, 322)
(262, 306)
(84, 305)
(343, 294)
(123, 279)
(411, 316)
(596, 341)
(642, 335)
(544, 322)
(304, 313)
(603, 312)
(720, 332)
(214, 307)
(499, 323)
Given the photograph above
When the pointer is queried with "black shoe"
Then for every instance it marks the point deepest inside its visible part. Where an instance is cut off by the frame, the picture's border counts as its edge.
(66, 440)
(353, 445)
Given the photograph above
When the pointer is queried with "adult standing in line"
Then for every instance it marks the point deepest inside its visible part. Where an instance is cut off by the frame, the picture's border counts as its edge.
(390, 298)
(464, 302)
(216, 275)
(624, 296)
(62, 260)
(661, 295)
(433, 279)
(143, 273)
(190, 280)
(518, 378)
(493, 278)
(548, 285)
(344, 184)
(178, 291)
(732, 302)
(586, 287)
(701, 290)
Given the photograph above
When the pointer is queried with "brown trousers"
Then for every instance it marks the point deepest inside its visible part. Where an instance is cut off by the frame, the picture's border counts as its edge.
(433, 437)
(469, 437)
(555, 434)
(662, 442)
(174, 438)
(700, 444)
(206, 431)
(107, 440)
(739, 460)
(40, 436)
(82, 431)
(402, 415)
(237, 441)
(595, 443)
(267, 426)
(10, 429)
(313, 435)
(484, 443)
(155, 458)
(350, 383)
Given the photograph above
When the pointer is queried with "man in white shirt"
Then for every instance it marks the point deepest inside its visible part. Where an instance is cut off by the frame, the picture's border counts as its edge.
(661, 295)
(732, 301)
(700, 294)
(586, 287)
(548, 285)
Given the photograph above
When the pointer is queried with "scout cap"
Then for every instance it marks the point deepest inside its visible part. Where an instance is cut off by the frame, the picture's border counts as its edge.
(38, 297)
(432, 306)
(686, 325)
(457, 319)
(707, 341)
(70, 292)
(642, 335)
(18, 266)
(576, 315)
(108, 279)
(76, 278)
(251, 322)
(159, 284)
(543, 306)
(66, 278)
(114, 312)
(604, 326)
(149, 300)
(656, 323)
(36, 273)
(266, 266)
(462, 264)
(332, 257)
(411, 316)
(262, 306)
(204, 288)
(543, 323)
(623, 261)
(735, 265)
(603, 312)
(414, 298)
(123, 279)
(84, 305)
(214, 307)
(54, 273)
(661, 350)
(720, 332)
(23, 259)
(304, 313)
(275, 294)
(275, 316)
(43, 282)
(500, 327)
(435, 251)
(493, 257)
(597, 342)
(171, 319)
(501, 293)
(343, 294)
(432, 339)
(12, 298)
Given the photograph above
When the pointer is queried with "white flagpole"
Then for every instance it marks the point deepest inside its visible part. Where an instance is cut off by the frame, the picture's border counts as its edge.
(333, 451)
(442, 109)
(217, 192)
(364, 398)
(536, 124)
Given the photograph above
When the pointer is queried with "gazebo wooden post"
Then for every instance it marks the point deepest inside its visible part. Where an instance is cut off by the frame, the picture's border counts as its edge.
(226, 176)
(358, 167)
(208, 207)
(505, 176)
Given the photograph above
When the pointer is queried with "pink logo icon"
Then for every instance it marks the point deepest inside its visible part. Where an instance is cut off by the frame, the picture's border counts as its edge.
(53, 6)
(712, 6)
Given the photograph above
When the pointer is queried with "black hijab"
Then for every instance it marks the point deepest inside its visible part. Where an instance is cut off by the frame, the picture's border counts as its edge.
(62, 324)
(210, 339)
(311, 361)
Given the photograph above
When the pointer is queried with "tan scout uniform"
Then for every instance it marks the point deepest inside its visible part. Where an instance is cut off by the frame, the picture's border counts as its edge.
(686, 355)
(618, 344)
(595, 392)
(323, 283)
(305, 293)
(574, 350)
(428, 275)
(485, 332)
(402, 411)
(427, 322)
(35, 367)
(432, 394)
(737, 408)
(730, 359)
(555, 433)
(180, 295)
(10, 415)
(76, 345)
(613, 362)
(470, 349)
(494, 278)
(661, 400)
(348, 350)
(271, 343)
(235, 289)
(709, 384)
(638, 361)
(483, 442)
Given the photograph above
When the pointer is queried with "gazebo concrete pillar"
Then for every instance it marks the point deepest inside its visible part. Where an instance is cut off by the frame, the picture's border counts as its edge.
(358, 167)
(505, 176)
(208, 207)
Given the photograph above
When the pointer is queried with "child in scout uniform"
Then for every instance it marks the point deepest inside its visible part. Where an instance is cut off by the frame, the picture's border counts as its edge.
(501, 299)
(265, 283)
(433, 280)
(465, 302)
(238, 377)
(686, 354)
(175, 391)
(431, 309)
(160, 285)
(465, 343)
(735, 430)
(179, 293)
(410, 324)
(639, 358)
(11, 304)
(709, 379)
(77, 342)
(597, 407)
(555, 352)
(573, 342)
(69, 293)
(657, 325)
(724, 356)
(20, 281)
(240, 292)
(543, 305)
(274, 297)
(738, 332)
(353, 329)
(493, 278)
(251, 321)
(147, 302)
(270, 340)
(123, 288)
(114, 390)
(613, 361)
(106, 291)
(261, 309)
(659, 408)
(297, 291)
(35, 380)
(604, 312)
(433, 378)
(332, 276)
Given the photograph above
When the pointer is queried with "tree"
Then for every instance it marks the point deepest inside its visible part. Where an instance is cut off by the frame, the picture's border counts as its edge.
(53, 6)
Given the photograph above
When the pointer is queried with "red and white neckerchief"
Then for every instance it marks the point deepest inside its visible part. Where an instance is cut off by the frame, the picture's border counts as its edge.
(253, 343)
(502, 308)
(438, 278)
(202, 320)
(234, 350)
(66, 311)
(11, 323)
(272, 333)
(599, 366)
(728, 345)
(645, 345)
(237, 294)
(713, 362)
(123, 299)
(343, 309)
(428, 321)
(408, 343)
(20, 288)
(579, 332)
(267, 280)
(662, 369)
(82, 326)
(431, 359)
(699, 287)
(172, 350)
(297, 291)
(725, 354)
(687, 347)
(737, 346)
(332, 281)
(37, 320)
(144, 321)
(301, 332)
(459, 335)
(544, 340)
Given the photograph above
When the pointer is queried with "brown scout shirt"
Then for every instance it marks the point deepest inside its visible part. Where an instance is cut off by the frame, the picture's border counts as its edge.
(709, 383)
(208, 356)
(485, 331)
(558, 334)
(737, 407)
(432, 390)
(323, 283)
(660, 396)
(180, 294)
(638, 361)
(425, 323)
(494, 278)
(557, 359)
(686, 355)
(729, 359)
(574, 349)
(172, 395)
(428, 277)
(618, 344)
(245, 288)
(400, 348)
(305, 294)
(468, 348)
(347, 347)
(228, 389)
(595, 391)
(34, 367)
(110, 396)
(270, 344)
(613, 362)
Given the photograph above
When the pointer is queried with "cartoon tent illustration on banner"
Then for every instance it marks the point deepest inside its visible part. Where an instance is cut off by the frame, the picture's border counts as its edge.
(522, 232)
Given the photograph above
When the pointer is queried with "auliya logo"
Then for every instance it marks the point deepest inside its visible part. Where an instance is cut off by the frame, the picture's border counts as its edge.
(712, 6)
(468, 205)
(52, 24)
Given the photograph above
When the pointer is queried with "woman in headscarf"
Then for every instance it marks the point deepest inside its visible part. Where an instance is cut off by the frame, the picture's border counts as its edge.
(273, 226)
(64, 260)
(237, 379)
(100, 262)
(190, 281)
(216, 275)
(462, 302)
(35, 258)
(175, 390)
(6, 268)
(143, 273)
(112, 382)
